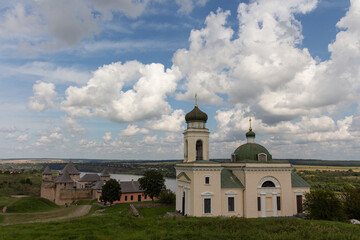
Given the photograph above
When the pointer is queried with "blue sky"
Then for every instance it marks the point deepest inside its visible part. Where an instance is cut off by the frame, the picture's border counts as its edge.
(114, 79)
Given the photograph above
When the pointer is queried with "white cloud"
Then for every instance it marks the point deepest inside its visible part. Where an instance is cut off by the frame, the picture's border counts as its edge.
(22, 138)
(124, 92)
(171, 123)
(73, 126)
(133, 130)
(51, 25)
(44, 96)
(186, 6)
(107, 137)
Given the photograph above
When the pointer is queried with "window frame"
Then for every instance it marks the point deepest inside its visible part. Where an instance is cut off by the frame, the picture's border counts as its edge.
(207, 199)
(207, 177)
(233, 203)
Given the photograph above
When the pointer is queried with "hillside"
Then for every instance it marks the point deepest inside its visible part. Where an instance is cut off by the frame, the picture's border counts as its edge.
(116, 223)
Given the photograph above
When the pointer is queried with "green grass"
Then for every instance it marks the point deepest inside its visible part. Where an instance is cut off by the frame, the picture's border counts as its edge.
(31, 204)
(155, 212)
(13, 184)
(85, 202)
(113, 225)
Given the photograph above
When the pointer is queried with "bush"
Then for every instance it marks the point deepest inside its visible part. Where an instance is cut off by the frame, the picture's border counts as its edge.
(167, 196)
(351, 198)
(323, 204)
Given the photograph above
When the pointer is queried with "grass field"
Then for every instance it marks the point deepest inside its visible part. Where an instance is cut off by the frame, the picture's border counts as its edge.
(155, 212)
(15, 184)
(117, 223)
(31, 204)
(328, 168)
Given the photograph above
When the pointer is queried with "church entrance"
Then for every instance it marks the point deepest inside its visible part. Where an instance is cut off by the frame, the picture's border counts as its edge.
(183, 204)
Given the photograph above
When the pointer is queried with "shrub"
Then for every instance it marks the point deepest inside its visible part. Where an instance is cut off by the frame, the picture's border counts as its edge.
(324, 204)
(153, 182)
(351, 198)
(167, 196)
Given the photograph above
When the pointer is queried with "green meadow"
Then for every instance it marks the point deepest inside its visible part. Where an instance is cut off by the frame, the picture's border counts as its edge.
(116, 222)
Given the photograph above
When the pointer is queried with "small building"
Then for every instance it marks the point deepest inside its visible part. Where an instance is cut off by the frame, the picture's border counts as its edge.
(130, 192)
(252, 185)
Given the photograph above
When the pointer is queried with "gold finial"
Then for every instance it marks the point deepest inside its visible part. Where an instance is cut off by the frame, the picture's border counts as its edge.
(250, 124)
(196, 100)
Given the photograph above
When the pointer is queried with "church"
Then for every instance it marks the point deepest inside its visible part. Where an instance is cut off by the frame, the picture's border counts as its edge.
(251, 185)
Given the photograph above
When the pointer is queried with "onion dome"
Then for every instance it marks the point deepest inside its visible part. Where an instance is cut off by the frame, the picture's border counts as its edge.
(250, 133)
(196, 115)
(47, 171)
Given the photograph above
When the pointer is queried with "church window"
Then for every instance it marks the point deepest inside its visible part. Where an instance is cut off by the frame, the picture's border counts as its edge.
(259, 203)
(199, 150)
(207, 180)
(207, 205)
(131, 198)
(186, 149)
(268, 184)
(125, 198)
(278, 203)
(231, 204)
(262, 157)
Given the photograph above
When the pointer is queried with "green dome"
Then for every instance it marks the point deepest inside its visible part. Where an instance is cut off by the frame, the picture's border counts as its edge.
(250, 133)
(250, 151)
(196, 115)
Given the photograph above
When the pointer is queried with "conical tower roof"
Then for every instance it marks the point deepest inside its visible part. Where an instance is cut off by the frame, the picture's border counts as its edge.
(64, 178)
(71, 169)
(47, 171)
(105, 173)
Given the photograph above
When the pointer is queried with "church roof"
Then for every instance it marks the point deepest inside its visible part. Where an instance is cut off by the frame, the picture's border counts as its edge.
(71, 169)
(229, 180)
(105, 173)
(250, 151)
(196, 115)
(90, 177)
(64, 178)
(297, 181)
(130, 187)
(47, 171)
(250, 133)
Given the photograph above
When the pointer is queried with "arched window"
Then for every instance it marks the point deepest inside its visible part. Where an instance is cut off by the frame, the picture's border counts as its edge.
(268, 184)
(186, 149)
(199, 150)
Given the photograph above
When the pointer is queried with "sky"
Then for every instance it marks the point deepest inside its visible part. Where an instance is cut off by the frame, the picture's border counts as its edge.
(114, 79)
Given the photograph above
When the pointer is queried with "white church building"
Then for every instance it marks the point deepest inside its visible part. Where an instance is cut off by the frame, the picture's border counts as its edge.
(251, 185)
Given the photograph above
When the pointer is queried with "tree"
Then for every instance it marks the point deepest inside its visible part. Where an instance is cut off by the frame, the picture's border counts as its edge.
(111, 191)
(167, 196)
(351, 197)
(324, 204)
(152, 183)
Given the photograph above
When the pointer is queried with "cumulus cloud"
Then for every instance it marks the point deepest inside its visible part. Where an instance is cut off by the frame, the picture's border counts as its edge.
(44, 96)
(73, 126)
(133, 130)
(170, 123)
(50, 25)
(124, 92)
(107, 137)
(22, 138)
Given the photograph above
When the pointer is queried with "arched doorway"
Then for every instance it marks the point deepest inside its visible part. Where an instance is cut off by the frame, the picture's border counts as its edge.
(269, 198)
(199, 150)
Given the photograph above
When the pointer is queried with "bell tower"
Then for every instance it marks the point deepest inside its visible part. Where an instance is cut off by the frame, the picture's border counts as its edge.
(196, 136)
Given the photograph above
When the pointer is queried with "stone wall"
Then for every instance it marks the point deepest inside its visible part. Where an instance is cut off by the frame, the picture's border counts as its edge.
(48, 190)
(72, 195)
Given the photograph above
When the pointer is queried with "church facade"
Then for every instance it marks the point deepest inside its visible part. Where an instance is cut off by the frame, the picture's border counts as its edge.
(251, 185)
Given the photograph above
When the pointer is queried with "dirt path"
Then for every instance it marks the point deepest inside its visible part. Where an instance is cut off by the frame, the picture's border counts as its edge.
(78, 212)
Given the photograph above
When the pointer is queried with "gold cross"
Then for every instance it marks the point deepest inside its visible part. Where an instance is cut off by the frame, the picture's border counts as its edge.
(196, 100)
(250, 124)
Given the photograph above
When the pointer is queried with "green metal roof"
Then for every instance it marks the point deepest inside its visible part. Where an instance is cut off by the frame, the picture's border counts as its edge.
(196, 115)
(229, 180)
(185, 176)
(250, 133)
(250, 151)
(297, 181)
